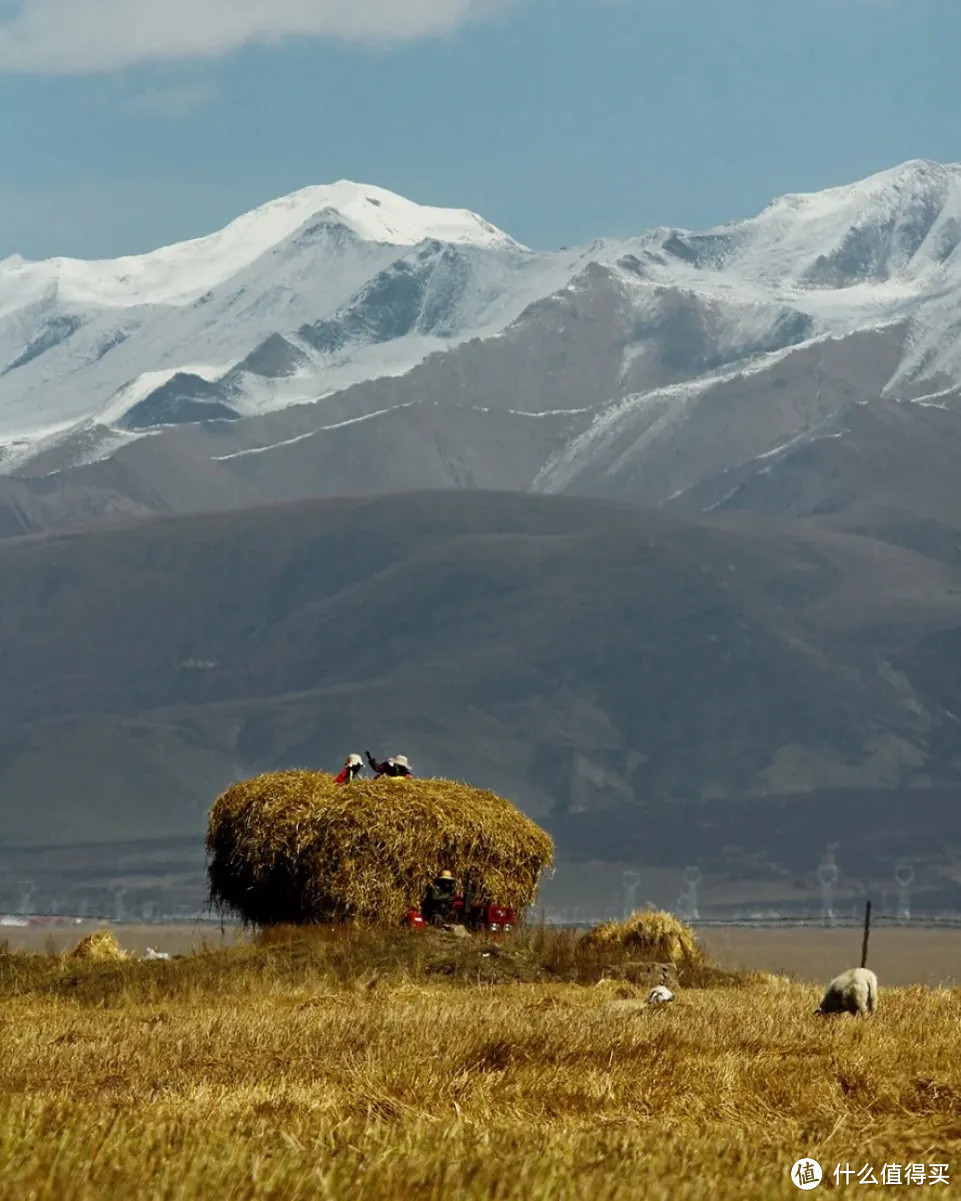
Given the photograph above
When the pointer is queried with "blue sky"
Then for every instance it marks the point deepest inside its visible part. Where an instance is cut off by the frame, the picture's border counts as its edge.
(125, 124)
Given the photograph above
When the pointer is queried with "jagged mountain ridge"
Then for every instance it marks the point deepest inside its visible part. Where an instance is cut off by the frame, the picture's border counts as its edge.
(319, 332)
(83, 343)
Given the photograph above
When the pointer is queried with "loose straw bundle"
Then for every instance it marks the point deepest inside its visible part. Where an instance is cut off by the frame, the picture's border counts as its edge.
(99, 946)
(650, 932)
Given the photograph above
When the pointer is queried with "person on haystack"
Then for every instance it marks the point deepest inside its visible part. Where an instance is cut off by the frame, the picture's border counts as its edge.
(437, 906)
(396, 767)
(353, 766)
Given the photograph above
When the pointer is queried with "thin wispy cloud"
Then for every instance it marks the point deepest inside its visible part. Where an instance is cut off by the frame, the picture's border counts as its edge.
(80, 36)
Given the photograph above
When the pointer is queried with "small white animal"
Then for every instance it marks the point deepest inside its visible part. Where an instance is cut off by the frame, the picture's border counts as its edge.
(152, 954)
(854, 991)
(660, 995)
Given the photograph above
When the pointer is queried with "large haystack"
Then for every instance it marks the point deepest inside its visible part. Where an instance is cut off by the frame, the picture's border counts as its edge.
(651, 932)
(295, 847)
(100, 946)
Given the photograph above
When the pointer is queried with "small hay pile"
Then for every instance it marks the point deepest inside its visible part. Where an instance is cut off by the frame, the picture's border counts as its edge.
(101, 946)
(652, 933)
(295, 847)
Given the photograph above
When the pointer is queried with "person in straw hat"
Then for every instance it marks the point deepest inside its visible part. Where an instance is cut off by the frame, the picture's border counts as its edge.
(353, 766)
(438, 905)
(394, 767)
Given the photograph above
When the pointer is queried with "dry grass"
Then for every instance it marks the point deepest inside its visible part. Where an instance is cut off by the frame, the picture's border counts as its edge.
(652, 933)
(99, 946)
(355, 1065)
(295, 847)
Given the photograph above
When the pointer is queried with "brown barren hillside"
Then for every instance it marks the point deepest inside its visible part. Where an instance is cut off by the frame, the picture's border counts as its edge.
(606, 668)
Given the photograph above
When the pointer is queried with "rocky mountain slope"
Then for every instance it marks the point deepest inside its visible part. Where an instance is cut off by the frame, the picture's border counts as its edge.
(343, 339)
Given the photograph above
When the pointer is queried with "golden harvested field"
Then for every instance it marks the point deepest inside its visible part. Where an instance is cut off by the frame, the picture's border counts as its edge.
(366, 1065)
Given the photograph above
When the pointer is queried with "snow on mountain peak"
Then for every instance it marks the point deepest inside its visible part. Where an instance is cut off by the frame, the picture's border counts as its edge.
(913, 175)
(891, 230)
(339, 283)
(378, 215)
(182, 272)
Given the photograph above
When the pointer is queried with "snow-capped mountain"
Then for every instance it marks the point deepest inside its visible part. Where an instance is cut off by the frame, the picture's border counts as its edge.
(775, 612)
(86, 341)
(294, 350)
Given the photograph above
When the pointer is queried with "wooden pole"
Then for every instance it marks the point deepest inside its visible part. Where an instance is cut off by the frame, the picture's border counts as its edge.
(867, 934)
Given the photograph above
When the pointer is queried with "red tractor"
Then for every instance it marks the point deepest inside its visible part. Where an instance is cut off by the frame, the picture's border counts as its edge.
(443, 906)
(495, 919)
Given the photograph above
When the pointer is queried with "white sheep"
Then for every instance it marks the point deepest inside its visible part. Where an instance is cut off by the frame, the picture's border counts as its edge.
(854, 991)
(660, 995)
